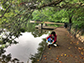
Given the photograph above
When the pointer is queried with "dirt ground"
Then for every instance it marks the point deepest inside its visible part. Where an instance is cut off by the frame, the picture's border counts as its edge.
(69, 49)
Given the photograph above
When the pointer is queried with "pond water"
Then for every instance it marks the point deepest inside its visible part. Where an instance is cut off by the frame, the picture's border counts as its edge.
(27, 45)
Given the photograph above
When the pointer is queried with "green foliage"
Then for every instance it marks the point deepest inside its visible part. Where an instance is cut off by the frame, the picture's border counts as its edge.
(15, 14)
(63, 15)
(38, 56)
(19, 13)
(49, 14)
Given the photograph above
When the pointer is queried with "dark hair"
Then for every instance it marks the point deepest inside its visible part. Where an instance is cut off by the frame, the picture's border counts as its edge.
(53, 33)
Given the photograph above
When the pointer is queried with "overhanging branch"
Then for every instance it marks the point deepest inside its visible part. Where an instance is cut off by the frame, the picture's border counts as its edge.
(5, 10)
(44, 5)
(52, 3)
(69, 6)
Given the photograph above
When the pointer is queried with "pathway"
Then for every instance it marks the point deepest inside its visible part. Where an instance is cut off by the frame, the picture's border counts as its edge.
(70, 50)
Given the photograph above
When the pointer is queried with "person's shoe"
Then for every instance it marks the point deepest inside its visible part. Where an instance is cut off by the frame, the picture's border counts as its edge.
(55, 45)
(48, 46)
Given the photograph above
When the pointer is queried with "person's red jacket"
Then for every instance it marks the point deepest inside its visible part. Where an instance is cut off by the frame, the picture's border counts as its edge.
(55, 38)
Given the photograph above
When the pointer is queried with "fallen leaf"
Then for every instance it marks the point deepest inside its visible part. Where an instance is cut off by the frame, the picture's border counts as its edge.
(45, 58)
(69, 48)
(49, 48)
(64, 54)
(60, 61)
(83, 49)
(77, 43)
(71, 36)
(75, 47)
(57, 58)
(37, 60)
(71, 55)
(76, 57)
(61, 54)
(79, 48)
(82, 53)
(67, 55)
(81, 57)
(44, 55)
(70, 42)
(79, 62)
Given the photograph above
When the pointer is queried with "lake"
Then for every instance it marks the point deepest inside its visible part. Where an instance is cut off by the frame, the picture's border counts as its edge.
(28, 44)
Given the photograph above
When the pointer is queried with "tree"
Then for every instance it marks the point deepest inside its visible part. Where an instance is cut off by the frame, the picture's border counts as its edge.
(15, 13)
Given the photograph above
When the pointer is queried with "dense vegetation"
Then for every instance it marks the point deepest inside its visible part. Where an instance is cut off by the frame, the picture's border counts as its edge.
(74, 15)
(15, 14)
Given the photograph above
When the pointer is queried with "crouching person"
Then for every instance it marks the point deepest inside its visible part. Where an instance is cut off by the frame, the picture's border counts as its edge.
(51, 39)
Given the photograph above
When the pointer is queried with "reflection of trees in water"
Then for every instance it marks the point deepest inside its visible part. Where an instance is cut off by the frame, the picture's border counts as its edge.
(38, 56)
(16, 31)
(6, 40)
(36, 32)
(10, 39)
(7, 58)
(10, 32)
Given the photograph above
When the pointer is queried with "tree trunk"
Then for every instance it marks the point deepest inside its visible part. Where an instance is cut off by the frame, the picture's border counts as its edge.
(70, 19)
(70, 23)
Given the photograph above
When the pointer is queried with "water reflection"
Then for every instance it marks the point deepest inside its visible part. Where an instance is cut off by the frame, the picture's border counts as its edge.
(19, 50)
(6, 58)
(38, 56)
(36, 32)
(17, 45)
(27, 46)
